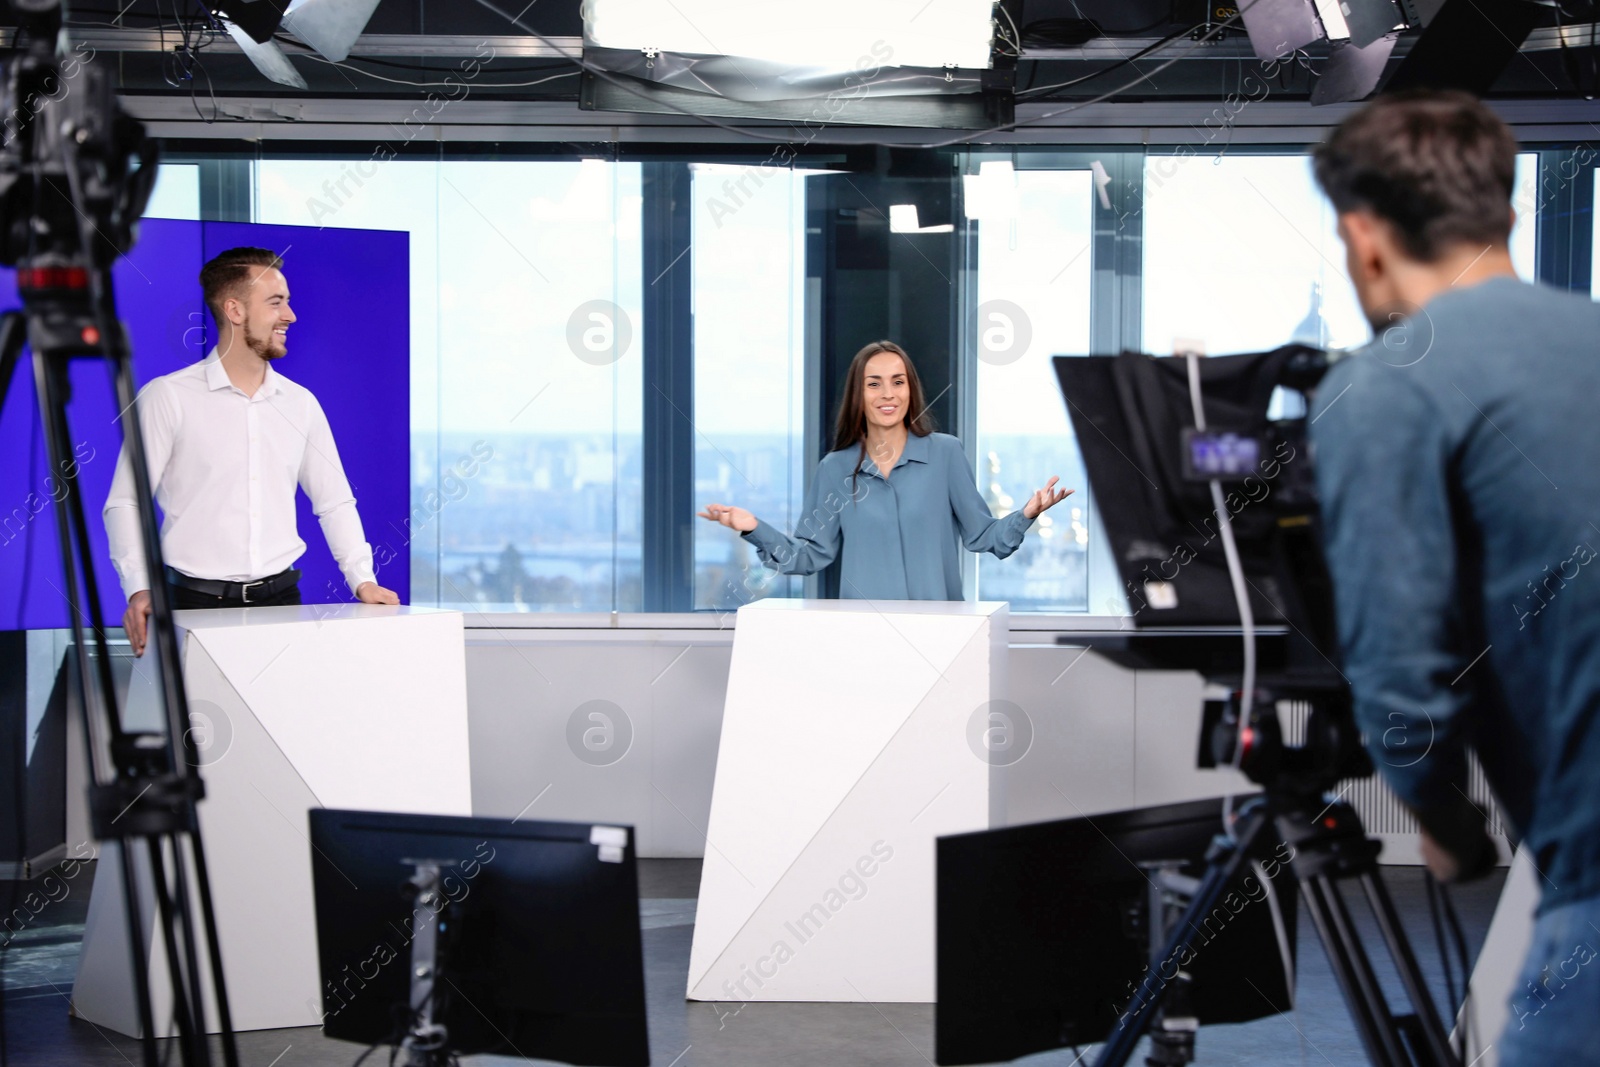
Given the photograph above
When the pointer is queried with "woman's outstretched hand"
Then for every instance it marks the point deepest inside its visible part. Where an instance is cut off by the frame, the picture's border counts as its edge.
(731, 517)
(1045, 499)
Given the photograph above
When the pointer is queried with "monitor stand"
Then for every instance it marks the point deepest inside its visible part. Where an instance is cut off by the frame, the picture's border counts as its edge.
(427, 1043)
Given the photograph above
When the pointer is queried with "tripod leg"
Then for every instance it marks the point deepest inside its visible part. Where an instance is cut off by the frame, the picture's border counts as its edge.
(1219, 873)
(137, 957)
(13, 332)
(1354, 973)
(192, 1044)
(53, 385)
(1405, 961)
(208, 915)
(187, 927)
(96, 689)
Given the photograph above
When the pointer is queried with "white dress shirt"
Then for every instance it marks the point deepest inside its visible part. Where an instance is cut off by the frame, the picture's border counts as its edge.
(224, 467)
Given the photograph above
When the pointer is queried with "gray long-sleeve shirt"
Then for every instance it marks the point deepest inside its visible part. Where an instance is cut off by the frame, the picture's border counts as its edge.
(897, 538)
(1459, 466)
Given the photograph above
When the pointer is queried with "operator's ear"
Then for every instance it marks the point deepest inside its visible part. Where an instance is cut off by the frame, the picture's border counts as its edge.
(233, 308)
(1365, 242)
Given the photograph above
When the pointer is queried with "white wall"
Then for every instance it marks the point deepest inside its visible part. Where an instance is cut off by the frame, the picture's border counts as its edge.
(1104, 738)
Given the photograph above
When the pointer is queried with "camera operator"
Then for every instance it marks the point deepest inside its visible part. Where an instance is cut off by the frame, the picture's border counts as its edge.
(1458, 459)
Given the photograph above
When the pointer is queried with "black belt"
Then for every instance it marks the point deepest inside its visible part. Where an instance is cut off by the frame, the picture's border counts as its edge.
(260, 589)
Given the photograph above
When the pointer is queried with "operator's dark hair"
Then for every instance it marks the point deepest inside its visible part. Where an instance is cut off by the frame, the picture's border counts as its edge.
(1438, 166)
(229, 272)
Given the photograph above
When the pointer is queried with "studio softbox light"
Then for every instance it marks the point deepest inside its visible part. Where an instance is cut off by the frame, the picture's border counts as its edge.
(890, 62)
(819, 33)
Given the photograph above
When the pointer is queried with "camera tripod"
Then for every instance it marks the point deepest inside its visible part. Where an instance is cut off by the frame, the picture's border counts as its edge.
(71, 196)
(1330, 846)
(145, 785)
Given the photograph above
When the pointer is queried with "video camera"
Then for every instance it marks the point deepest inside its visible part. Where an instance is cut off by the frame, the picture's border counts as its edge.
(75, 175)
(1192, 460)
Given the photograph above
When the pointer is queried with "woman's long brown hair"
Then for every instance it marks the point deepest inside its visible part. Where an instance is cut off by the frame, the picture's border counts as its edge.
(851, 428)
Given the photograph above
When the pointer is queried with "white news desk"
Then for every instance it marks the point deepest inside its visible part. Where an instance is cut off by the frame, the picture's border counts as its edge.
(340, 706)
(854, 734)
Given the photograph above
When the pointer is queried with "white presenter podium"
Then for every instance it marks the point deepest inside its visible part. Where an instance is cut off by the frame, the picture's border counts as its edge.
(340, 706)
(854, 734)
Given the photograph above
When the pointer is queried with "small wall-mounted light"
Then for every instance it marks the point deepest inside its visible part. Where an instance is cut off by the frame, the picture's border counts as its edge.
(903, 219)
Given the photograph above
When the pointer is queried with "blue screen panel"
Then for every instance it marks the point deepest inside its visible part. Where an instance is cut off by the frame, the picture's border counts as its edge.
(351, 347)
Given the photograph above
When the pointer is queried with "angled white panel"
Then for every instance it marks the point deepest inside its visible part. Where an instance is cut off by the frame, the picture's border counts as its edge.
(847, 748)
(350, 693)
(291, 708)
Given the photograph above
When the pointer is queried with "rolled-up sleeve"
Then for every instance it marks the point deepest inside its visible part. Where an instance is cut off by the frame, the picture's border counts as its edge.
(159, 420)
(322, 477)
(1383, 454)
(980, 530)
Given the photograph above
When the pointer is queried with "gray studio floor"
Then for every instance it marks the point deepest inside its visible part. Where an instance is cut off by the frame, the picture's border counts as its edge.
(40, 963)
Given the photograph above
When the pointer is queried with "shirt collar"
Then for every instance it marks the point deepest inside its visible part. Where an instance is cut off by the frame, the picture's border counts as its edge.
(217, 376)
(915, 451)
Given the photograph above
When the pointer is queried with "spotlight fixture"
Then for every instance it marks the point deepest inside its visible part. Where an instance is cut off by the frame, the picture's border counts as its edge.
(329, 27)
(1334, 26)
(258, 18)
(1370, 20)
(268, 58)
(1352, 72)
(1278, 27)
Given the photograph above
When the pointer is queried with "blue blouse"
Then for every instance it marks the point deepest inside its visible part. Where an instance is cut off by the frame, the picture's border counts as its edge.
(896, 536)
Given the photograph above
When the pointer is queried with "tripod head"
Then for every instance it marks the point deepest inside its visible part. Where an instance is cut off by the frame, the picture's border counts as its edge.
(1329, 752)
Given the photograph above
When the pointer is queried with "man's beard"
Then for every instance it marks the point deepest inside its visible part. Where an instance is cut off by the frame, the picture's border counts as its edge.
(262, 346)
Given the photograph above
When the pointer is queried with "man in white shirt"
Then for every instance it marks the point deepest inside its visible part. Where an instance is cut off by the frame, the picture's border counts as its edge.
(228, 440)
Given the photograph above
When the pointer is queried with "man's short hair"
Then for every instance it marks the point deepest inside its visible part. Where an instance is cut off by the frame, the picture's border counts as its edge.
(227, 274)
(1438, 166)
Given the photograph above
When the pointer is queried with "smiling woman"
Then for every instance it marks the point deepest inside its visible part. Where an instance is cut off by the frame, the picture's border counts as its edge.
(893, 523)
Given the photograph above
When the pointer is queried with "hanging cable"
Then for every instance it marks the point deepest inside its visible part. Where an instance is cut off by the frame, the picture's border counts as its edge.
(1247, 621)
(431, 85)
(1118, 65)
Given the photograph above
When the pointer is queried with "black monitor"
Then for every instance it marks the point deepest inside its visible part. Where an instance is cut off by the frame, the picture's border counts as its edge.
(1040, 936)
(540, 951)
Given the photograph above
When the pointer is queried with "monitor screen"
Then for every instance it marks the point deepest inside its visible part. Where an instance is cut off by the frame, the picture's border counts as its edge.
(1220, 454)
(540, 951)
(1041, 942)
